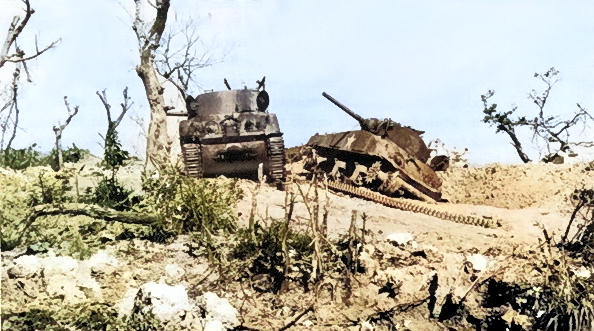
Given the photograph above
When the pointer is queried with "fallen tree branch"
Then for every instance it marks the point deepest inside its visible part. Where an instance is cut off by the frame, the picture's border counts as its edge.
(94, 211)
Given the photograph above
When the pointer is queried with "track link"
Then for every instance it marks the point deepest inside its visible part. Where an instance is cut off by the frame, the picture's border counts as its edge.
(276, 156)
(415, 206)
(193, 160)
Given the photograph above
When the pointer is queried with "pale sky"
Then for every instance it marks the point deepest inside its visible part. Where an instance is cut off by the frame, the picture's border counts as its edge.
(422, 63)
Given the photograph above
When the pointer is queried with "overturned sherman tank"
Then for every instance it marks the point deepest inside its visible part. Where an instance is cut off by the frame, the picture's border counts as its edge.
(383, 156)
(231, 133)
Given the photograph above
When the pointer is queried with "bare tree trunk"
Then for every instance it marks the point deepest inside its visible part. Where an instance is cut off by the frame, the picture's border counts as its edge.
(59, 129)
(516, 143)
(158, 144)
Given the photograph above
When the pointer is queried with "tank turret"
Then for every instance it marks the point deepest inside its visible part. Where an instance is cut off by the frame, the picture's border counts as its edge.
(406, 137)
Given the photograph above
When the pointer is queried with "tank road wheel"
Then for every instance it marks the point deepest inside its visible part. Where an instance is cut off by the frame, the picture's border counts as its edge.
(276, 159)
(193, 159)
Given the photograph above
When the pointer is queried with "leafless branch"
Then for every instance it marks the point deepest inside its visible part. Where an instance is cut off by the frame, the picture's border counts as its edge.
(552, 129)
(111, 124)
(13, 107)
(15, 29)
(178, 60)
(59, 129)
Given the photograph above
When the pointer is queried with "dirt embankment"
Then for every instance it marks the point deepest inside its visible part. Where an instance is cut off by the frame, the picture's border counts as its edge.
(538, 185)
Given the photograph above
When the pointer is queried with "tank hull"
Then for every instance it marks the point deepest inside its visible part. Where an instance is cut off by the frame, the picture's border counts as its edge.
(231, 133)
(235, 159)
(364, 159)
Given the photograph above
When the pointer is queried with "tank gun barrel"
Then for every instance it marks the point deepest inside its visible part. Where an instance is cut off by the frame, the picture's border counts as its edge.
(354, 115)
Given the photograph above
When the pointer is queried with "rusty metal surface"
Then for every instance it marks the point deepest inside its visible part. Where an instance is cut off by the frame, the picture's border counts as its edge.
(384, 156)
(233, 132)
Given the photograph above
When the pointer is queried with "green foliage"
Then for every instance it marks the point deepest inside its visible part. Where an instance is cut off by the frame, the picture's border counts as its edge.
(19, 193)
(51, 187)
(114, 156)
(71, 154)
(110, 193)
(79, 237)
(188, 204)
(501, 120)
(83, 317)
(14, 208)
(19, 159)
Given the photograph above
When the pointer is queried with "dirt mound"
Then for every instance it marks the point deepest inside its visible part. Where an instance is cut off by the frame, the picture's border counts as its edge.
(539, 185)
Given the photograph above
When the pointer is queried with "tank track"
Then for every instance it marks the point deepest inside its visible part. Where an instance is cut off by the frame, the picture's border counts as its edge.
(193, 160)
(415, 206)
(276, 155)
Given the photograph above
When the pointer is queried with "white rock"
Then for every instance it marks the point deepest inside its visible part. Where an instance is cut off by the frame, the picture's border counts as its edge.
(307, 323)
(479, 262)
(25, 266)
(59, 265)
(65, 286)
(214, 325)
(102, 261)
(167, 301)
(366, 326)
(219, 309)
(88, 284)
(400, 238)
(126, 305)
(582, 272)
(174, 272)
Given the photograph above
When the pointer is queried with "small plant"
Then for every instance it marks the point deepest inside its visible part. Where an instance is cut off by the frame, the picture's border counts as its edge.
(262, 254)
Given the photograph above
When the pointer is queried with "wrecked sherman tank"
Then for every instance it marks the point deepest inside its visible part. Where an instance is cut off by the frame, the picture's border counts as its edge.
(231, 133)
(383, 156)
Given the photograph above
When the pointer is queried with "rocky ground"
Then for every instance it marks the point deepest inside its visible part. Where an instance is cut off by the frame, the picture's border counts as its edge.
(416, 270)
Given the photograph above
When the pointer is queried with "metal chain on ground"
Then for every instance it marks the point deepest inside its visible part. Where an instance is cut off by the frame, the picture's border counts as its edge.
(415, 206)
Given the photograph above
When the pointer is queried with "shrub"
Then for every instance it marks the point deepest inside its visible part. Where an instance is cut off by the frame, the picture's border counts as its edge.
(19, 159)
(71, 154)
(188, 204)
(110, 193)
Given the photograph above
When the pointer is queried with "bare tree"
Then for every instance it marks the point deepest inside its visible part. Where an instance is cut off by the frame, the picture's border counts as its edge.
(59, 129)
(11, 52)
(15, 29)
(178, 59)
(170, 55)
(114, 156)
(550, 129)
(553, 130)
(158, 146)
